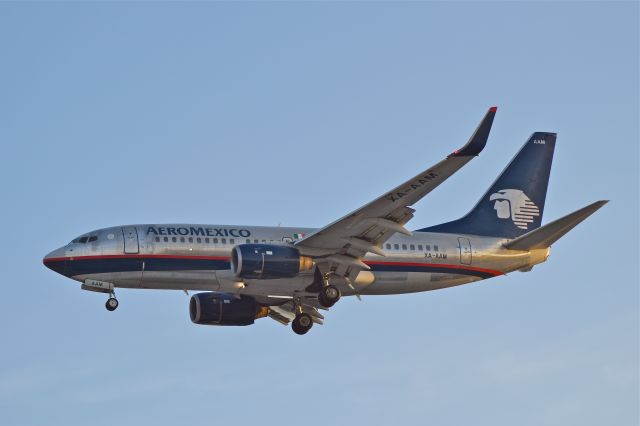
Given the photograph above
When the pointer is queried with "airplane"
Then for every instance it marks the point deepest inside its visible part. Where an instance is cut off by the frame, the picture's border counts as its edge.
(291, 274)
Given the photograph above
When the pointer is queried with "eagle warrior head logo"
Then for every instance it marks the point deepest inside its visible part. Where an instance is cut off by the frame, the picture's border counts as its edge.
(514, 204)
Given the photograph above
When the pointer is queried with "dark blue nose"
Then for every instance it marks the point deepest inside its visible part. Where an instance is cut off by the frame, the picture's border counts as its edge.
(55, 261)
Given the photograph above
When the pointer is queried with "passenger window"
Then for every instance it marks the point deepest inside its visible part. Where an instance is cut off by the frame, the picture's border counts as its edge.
(215, 241)
(182, 239)
(157, 239)
(173, 239)
(419, 247)
(166, 239)
(256, 241)
(92, 238)
(264, 241)
(206, 240)
(412, 247)
(427, 247)
(224, 241)
(248, 241)
(435, 247)
(396, 246)
(388, 246)
(190, 239)
(199, 240)
(232, 241)
(404, 247)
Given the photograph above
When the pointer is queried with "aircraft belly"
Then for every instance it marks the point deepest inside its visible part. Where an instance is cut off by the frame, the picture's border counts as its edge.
(412, 282)
(181, 280)
(129, 279)
(272, 287)
(163, 280)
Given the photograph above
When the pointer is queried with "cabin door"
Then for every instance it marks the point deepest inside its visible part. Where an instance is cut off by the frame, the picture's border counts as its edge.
(130, 235)
(465, 250)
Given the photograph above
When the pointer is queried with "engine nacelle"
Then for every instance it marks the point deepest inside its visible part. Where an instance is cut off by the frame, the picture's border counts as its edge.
(222, 309)
(268, 261)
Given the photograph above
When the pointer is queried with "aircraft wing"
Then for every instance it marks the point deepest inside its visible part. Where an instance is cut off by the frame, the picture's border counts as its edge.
(338, 247)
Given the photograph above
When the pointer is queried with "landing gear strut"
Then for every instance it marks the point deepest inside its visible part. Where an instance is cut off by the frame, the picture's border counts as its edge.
(112, 303)
(302, 323)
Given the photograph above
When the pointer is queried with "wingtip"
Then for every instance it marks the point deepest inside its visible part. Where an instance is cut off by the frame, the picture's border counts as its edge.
(479, 138)
(597, 205)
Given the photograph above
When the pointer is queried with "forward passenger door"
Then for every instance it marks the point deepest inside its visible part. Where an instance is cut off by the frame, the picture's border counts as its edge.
(130, 234)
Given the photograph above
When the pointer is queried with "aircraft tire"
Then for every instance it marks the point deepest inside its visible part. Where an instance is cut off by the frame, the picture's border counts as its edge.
(302, 323)
(112, 304)
(329, 296)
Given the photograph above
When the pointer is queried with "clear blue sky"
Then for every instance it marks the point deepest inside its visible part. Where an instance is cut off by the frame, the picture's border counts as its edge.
(267, 113)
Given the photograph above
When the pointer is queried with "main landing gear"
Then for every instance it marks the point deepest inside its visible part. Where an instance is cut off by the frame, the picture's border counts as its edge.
(302, 323)
(328, 296)
(112, 303)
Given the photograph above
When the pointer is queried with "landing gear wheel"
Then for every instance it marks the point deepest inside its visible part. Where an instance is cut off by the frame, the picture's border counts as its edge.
(302, 323)
(112, 304)
(328, 296)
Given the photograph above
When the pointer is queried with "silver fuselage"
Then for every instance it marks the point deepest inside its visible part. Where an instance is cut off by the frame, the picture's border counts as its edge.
(196, 257)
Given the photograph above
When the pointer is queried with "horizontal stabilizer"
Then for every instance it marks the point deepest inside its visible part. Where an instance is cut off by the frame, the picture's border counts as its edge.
(544, 236)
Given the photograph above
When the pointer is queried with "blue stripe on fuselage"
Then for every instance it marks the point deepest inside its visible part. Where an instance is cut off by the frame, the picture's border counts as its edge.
(97, 266)
(80, 266)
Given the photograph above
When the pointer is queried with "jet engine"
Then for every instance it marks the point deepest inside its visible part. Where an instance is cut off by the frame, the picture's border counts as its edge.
(222, 309)
(268, 261)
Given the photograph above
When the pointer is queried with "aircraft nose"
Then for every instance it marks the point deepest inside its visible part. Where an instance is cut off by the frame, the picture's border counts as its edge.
(55, 260)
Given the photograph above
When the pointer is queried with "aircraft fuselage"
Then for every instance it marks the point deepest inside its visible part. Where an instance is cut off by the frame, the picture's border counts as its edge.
(197, 257)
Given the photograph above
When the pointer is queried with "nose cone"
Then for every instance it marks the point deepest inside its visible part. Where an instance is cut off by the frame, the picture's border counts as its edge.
(55, 260)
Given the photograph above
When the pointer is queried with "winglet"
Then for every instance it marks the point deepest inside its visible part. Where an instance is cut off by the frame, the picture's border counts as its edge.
(478, 141)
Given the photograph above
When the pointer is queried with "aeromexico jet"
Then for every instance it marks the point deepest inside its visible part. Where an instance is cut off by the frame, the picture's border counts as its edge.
(290, 274)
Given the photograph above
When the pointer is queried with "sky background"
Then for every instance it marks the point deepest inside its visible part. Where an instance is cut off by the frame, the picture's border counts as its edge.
(295, 114)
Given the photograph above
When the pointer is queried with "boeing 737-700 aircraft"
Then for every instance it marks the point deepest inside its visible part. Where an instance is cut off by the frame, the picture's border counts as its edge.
(291, 274)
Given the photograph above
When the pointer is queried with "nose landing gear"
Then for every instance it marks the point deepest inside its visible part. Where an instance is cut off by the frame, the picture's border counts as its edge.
(102, 287)
(112, 302)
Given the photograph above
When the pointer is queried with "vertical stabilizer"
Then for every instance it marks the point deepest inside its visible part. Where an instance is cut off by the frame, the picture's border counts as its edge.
(514, 204)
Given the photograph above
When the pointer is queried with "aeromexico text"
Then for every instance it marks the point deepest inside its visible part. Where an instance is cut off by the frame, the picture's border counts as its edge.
(205, 232)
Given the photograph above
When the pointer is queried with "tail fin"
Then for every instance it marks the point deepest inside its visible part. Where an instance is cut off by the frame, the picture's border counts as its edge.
(514, 204)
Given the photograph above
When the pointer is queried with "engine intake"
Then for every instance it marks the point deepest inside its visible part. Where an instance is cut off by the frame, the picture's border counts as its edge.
(222, 309)
(268, 261)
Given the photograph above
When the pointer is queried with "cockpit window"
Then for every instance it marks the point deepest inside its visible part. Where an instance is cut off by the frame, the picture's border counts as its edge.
(83, 240)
